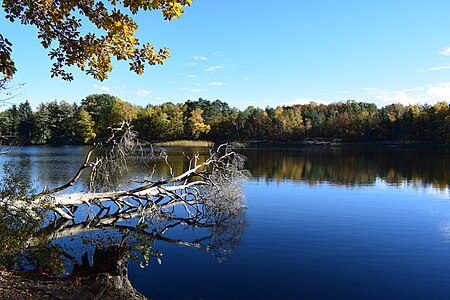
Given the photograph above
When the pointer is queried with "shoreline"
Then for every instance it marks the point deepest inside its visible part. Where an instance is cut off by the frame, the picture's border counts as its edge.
(337, 143)
(29, 285)
(314, 142)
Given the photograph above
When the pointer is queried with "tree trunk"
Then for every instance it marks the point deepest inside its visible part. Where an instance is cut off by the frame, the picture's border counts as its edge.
(107, 277)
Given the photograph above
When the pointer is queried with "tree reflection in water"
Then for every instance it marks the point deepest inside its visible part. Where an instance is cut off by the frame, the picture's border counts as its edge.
(96, 250)
(352, 166)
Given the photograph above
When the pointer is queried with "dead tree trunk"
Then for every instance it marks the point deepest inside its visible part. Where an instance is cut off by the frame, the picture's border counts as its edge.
(107, 277)
(214, 184)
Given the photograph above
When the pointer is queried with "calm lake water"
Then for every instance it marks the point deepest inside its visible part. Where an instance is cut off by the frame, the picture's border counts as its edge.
(335, 223)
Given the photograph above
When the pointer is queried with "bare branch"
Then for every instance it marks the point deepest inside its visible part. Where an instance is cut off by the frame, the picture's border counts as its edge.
(7, 91)
(86, 164)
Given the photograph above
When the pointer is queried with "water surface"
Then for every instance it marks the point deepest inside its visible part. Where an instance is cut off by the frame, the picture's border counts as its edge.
(339, 223)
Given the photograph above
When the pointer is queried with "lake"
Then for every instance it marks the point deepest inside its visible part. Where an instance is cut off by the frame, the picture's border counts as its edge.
(320, 223)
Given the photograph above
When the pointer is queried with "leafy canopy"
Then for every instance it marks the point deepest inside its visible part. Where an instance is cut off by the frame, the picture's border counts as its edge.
(60, 23)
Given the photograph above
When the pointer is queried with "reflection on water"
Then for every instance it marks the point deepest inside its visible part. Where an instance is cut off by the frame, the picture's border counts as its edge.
(53, 166)
(352, 167)
(340, 166)
(335, 223)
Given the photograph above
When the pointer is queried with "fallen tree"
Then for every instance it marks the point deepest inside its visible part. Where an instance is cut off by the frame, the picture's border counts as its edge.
(206, 196)
(208, 187)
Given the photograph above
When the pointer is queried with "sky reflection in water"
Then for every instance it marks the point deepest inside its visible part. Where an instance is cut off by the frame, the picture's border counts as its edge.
(320, 224)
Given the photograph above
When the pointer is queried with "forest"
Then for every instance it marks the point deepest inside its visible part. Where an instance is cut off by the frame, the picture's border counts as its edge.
(64, 123)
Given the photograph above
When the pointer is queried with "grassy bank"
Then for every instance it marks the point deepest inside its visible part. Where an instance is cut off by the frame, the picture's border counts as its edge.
(185, 143)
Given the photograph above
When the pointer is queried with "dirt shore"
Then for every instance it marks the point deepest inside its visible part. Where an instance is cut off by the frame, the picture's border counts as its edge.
(27, 285)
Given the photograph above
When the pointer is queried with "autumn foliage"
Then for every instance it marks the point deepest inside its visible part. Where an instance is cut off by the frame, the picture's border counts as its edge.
(62, 123)
(88, 34)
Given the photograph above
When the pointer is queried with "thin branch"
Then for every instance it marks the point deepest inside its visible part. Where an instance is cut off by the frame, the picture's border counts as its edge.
(86, 164)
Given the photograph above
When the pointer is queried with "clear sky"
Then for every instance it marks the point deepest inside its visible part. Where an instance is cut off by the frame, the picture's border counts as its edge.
(260, 53)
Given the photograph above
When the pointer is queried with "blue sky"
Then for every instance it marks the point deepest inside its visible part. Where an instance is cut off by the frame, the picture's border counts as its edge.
(269, 53)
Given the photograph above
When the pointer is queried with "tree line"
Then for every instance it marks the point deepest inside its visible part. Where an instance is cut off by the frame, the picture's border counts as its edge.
(63, 123)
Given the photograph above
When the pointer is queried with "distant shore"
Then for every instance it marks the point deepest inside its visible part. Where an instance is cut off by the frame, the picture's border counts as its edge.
(313, 142)
(336, 143)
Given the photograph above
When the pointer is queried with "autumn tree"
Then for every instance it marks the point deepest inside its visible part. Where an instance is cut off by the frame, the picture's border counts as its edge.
(64, 29)
(196, 123)
(175, 117)
(122, 111)
(440, 122)
(85, 126)
(288, 122)
(393, 115)
(152, 123)
(230, 126)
